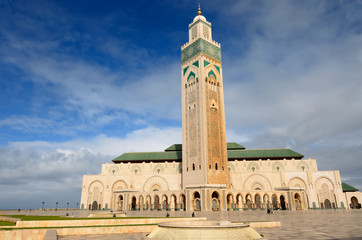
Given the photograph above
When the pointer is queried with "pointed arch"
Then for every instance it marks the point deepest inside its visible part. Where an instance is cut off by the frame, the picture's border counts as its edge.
(230, 201)
(297, 182)
(118, 185)
(239, 200)
(211, 73)
(160, 181)
(257, 178)
(191, 74)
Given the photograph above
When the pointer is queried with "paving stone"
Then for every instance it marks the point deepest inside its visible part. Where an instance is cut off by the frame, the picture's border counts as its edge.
(316, 224)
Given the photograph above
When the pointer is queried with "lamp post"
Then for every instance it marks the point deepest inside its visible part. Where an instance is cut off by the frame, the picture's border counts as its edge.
(77, 205)
(67, 206)
(56, 206)
(42, 206)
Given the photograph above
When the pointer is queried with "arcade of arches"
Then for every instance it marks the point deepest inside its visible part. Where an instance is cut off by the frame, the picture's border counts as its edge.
(233, 201)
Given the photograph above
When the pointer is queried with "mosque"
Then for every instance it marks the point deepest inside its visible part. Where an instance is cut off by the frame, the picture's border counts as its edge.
(205, 173)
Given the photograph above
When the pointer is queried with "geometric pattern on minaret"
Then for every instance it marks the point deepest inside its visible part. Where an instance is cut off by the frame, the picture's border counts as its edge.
(204, 151)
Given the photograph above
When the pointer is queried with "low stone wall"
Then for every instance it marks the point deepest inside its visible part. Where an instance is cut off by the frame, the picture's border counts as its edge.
(106, 230)
(39, 234)
(34, 234)
(265, 224)
(106, 215)
(98, 222)
(9, 219)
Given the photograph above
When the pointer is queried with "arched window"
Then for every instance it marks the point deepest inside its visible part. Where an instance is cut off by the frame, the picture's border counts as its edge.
(215, 166)
(193, 166)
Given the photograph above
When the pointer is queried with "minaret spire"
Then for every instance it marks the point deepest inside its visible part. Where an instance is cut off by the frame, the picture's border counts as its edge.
(204, 150)
(199, 11)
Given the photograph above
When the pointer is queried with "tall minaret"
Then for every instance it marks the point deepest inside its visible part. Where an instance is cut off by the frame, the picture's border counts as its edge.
(204, 152)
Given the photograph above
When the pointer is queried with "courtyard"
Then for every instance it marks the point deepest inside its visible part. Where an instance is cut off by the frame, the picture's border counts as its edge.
(310, 224)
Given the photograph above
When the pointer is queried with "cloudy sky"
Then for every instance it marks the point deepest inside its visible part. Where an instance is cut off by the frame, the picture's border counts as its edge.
(81, 82)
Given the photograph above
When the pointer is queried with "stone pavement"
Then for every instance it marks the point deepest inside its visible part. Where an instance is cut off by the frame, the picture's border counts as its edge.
(311, 224)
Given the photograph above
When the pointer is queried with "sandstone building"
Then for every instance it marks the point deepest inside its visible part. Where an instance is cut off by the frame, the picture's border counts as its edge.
(205, 173)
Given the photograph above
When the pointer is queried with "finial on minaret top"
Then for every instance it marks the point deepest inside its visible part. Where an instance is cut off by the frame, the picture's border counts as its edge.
(199, 11)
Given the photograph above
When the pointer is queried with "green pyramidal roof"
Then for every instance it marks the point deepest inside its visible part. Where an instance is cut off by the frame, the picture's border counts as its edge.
(348, 188)
(235, 152)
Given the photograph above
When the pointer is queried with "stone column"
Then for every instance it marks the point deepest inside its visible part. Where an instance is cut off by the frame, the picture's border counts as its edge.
(203, 200)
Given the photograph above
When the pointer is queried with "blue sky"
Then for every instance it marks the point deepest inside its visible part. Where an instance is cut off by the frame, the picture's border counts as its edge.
(82, 82)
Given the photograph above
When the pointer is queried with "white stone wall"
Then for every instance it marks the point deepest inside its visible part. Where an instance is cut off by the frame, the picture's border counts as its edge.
(268, 177)
(138, 177)
(253, 180)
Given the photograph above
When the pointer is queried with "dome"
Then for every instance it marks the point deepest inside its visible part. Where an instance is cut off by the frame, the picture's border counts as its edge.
(199, 17)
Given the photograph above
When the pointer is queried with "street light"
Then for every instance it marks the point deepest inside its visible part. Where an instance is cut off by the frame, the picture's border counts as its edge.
(42, 206)
(67, 205)
(56, 206)
(77, 205)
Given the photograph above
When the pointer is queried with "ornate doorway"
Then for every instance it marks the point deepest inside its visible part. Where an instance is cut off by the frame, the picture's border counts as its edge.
(197, 202)
(354, 203)
(327, 204)
(95, 205)
(215, 202)
(297, 202)
(282, 202)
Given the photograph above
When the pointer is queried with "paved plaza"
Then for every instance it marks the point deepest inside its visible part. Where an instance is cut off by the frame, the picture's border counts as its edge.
(312, 224)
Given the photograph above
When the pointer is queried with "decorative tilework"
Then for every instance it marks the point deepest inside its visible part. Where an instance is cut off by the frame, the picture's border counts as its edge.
(206, 63)
(217, 68)
(201, 46)
(196, 64)
(185, 69)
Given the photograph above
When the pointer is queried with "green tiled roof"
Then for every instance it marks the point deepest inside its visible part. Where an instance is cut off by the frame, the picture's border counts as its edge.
(235, 151)
(175, 147)
(234, 146)
(348, 188)
(149, 156)
(263, 154)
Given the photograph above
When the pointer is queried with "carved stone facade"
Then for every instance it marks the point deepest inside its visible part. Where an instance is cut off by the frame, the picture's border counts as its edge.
(158, 186)
(203, 118)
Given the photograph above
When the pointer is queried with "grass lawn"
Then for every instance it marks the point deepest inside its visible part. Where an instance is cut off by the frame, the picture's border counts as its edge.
(4, 223)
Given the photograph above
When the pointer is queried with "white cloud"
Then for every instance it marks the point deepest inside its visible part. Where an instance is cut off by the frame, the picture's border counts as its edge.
(49, 168)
